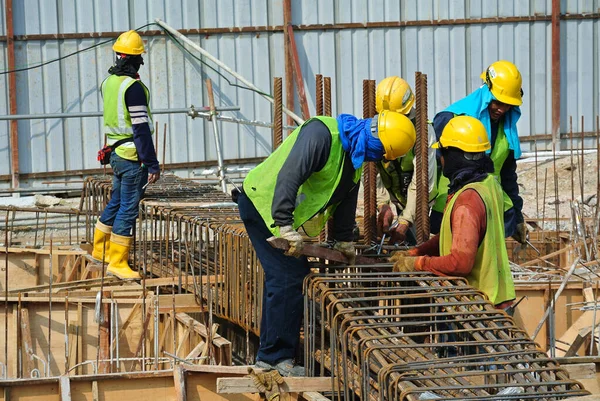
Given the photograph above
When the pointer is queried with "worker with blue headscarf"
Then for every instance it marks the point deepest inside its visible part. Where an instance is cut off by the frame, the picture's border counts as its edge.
(496, 104)
(313, 175)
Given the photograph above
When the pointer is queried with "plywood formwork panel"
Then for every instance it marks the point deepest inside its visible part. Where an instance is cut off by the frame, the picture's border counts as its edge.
(530, 311)
(28, 267)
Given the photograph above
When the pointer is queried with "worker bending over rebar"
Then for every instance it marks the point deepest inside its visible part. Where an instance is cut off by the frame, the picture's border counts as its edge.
(313, 175)
(397, 183)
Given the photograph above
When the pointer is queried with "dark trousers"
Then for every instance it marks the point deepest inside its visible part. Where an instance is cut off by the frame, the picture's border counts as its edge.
(283, 302)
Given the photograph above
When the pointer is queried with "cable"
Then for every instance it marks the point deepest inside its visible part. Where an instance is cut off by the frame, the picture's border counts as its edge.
(68, 55)
(173, 38)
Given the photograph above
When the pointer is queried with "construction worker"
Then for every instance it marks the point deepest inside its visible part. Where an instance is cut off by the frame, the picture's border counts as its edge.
(128, 127)
(313, 175)
(396, 182)
(471, 241)
(496, 104)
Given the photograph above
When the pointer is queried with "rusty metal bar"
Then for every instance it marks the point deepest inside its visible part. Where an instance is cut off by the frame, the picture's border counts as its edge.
(555, 18)
(12, 94)
(236, 30)
(319, 94)
(297, 72)
(277, 112)
(384, 335)
(422, 159)
(327, 96)
(289, 72)
(369, 171)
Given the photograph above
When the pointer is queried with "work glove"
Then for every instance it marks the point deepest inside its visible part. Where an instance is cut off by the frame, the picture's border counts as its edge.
(398, 233)
(348, 249)
(267, 383)
(405, 264)
(294, 240)
(521, 233)
(385, 218)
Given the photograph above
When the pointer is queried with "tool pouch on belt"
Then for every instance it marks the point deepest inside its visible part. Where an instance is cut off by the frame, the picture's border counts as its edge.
(104, 153)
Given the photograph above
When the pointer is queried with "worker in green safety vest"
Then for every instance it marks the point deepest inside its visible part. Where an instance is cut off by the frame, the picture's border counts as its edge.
(128, 127)
(471, 240)
(496, 104)
(396, 183)
(313, 175)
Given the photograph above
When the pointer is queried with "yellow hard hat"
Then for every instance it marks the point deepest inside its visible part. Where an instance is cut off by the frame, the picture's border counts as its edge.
(466, 133)
(129, 42)
(504, 80)
(394, 93)
(397, 134)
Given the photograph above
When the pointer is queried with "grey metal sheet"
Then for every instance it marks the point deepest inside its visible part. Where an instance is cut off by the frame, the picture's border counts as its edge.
(452, 56)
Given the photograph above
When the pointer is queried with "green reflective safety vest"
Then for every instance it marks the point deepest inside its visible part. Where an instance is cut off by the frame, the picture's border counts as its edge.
(117, 121)
(396, 176)
(491, 271)
(311, 211)
(499, 154)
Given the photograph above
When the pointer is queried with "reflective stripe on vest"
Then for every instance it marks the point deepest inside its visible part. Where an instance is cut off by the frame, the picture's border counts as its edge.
(313, 195)
(117, 120)
(491, 270)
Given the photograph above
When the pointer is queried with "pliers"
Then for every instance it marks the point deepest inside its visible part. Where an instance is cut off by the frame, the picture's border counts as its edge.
(394, 225)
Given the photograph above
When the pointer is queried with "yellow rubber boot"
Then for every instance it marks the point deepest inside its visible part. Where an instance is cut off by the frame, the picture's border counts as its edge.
(119, 254)
(101, 241)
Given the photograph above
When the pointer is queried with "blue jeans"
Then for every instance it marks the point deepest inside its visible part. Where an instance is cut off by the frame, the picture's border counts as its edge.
(283, 302)
(128, 179)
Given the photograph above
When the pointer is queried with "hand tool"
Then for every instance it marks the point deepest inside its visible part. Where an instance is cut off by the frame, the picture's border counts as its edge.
(322, 252)
(394, 225)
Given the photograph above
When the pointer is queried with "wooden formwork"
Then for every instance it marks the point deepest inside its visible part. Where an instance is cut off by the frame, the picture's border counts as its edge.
(29, 267)
(184, 383)
(155, 328)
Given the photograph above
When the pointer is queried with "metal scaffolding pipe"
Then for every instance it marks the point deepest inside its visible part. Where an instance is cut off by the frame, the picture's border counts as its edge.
(224, 66)
(189, 111)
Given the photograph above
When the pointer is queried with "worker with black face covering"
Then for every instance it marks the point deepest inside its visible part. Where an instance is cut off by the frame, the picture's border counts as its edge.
(128, 127)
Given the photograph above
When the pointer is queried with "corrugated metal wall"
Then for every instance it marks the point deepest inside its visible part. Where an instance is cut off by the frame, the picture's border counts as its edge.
(452, 55)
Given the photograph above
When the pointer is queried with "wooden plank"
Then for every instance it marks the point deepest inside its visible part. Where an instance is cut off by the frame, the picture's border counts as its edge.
(578, 371)
(227, 385)
(313, 396)
(29, 364)
(79, 337)
(104, 350)
(569, 339)
(168, 281)
(194, 353)
(65, 388)
(179, 383)
(537, 260)
(95, 395)
(72, 275)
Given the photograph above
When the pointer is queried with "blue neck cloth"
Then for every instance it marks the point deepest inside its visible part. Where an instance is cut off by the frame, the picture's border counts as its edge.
(476, 105)
(358, 141)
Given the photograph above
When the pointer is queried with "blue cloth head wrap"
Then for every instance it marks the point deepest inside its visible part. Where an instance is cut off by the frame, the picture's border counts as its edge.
(476, 105)
(358, 141)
